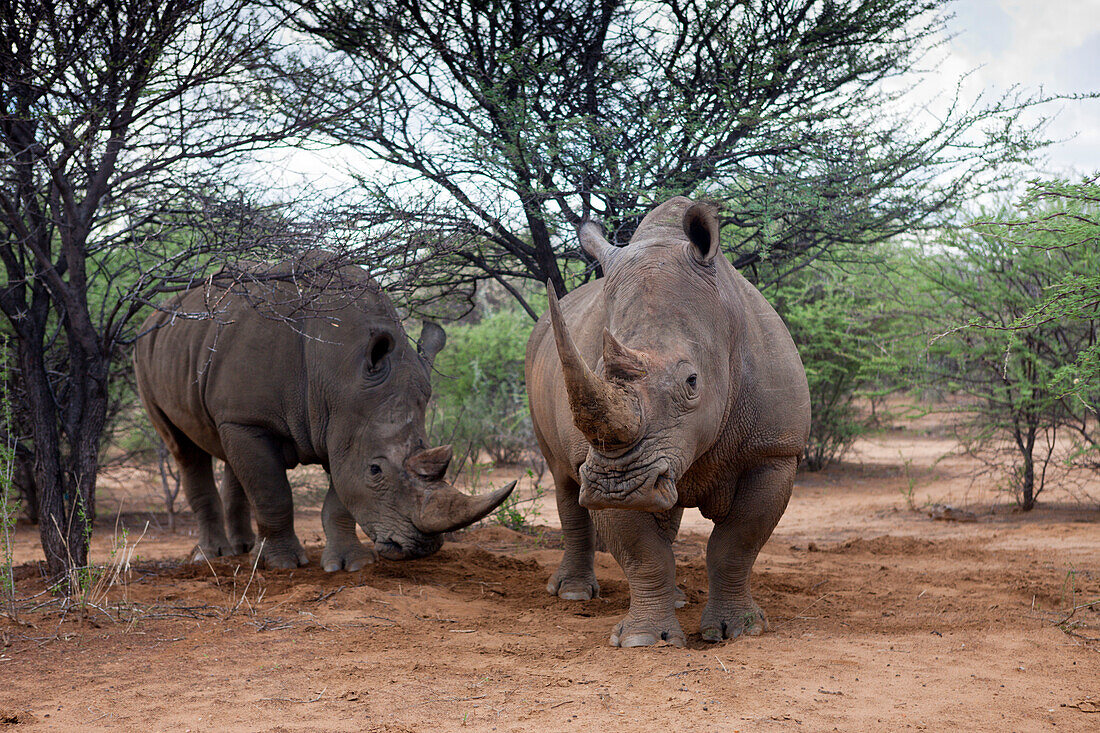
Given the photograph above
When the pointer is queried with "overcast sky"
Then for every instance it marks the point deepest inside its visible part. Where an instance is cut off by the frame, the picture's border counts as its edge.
(1053, 44)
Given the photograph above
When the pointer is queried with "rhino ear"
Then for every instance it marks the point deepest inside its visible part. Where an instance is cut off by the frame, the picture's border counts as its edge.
(432, 340)
(701, 228)
(593, 242)
(377, 367)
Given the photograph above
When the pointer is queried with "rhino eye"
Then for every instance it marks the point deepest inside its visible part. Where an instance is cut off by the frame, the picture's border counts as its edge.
(693, 381)
(375, 469)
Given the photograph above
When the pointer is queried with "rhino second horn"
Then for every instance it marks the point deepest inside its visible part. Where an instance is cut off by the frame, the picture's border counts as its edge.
(621, 361)
(447, 509)
(430, 464)
(602, 411)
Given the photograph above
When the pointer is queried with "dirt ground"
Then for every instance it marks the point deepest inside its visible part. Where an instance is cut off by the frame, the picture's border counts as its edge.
(883, 618)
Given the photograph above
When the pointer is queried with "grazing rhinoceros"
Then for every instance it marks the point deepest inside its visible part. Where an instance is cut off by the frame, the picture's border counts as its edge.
(287, 373)
(668, 383)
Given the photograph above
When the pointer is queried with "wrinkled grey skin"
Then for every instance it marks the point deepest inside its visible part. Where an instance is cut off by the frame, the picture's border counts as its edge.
(276, 379)
(685, 391)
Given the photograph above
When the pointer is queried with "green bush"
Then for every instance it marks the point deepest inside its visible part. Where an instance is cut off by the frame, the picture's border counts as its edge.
(848, 324)
(480, 397)
(822, 315)
(822, 327)
(519, 514)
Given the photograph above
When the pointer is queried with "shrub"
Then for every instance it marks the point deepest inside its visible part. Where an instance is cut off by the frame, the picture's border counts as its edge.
(480, 402)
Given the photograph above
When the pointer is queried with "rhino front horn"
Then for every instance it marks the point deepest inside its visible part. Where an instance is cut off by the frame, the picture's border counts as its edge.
(602, 411)
(447, 509)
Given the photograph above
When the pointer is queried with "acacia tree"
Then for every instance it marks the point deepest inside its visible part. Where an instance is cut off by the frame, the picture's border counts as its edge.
(118, 121)
(994, 283)
(1065, 215)
(1060, 220)
(520, 120)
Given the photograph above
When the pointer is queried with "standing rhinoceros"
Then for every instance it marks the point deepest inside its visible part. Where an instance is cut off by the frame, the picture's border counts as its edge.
(668, 383)
(287, 371)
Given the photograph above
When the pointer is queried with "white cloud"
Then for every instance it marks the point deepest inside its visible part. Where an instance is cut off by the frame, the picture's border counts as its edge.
(1048, 44)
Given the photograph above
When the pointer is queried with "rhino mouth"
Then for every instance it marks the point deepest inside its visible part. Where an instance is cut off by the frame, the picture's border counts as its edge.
(613, 484)
(406, 548)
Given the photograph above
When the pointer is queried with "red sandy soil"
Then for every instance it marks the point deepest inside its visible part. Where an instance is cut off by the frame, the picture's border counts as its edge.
(883, 618)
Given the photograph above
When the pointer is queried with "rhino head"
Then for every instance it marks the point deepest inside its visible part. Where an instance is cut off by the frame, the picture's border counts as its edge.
(657, 398)
(382, 471)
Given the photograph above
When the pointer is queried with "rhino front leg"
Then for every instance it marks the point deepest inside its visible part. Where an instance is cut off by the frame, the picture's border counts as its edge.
(760, 499)
(343, 550)
(642, 544)
(575, 578)
(257, 462)
(238, 513)
(671, 529)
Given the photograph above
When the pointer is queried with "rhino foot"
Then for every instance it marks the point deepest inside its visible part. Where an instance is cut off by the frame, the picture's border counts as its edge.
(241, 542)
(574, 587)
(347, 557)
(632, 632)
(221, 547)
(240, 546)
(732, 622)
(282, 554)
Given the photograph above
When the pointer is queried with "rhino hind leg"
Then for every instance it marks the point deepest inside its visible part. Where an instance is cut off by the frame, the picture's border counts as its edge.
(197, 477)
(761, 496)
(642, 544)
(575, 578)
(258, 464)
(238, 513)
(343, 550)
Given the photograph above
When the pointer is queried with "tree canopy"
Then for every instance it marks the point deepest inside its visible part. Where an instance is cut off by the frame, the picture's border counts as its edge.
(500, 126)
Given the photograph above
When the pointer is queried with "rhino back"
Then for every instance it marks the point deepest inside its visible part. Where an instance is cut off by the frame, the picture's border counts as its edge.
(236, 368)
(265, 358)
(770, 410)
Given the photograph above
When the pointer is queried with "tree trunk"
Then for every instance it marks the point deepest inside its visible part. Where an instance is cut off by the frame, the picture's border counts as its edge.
(1027, 488)
(24, 481)
(544, 249)
(65, 463)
